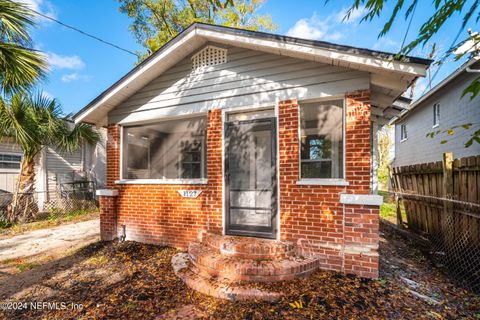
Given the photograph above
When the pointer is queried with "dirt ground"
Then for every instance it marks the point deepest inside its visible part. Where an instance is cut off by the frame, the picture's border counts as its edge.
(135, 281)
(42, 241)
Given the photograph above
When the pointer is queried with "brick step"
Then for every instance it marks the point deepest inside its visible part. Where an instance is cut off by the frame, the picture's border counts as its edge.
(211, 263)
(216, 287)
(247, 247)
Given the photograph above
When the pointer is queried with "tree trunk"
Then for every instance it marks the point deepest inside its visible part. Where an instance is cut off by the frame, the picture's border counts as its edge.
(24, 206)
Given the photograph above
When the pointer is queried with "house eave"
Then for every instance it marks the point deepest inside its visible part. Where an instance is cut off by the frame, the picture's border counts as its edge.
(198, 34)
(435, 89)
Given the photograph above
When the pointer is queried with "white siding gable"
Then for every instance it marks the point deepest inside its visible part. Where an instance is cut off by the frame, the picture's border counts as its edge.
(248, 78)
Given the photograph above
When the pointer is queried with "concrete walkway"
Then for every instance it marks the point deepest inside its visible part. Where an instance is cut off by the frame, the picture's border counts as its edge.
(48, 240)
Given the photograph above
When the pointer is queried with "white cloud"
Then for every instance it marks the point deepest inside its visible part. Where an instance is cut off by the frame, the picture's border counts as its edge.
(47, 95)
(315, 28)
(70, 77)
(41, 6)
(386, 44)
(354, 16)
(57, 61)
(330, 28)
(74, 77)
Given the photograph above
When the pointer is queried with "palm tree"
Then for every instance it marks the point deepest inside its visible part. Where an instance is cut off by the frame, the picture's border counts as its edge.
(20, 65)
(35, 123)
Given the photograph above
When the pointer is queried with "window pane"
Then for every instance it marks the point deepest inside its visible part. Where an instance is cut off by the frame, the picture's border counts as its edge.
(436, 114)
(322, 169)
(322, 139)
(165, 150)
(10, 161)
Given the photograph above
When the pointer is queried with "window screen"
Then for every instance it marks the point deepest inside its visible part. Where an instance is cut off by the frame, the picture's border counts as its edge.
(165, 150)
(10, 161)
(322, 139)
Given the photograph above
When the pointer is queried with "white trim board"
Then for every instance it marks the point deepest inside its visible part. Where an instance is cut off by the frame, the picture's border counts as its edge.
(361, 199)
(107, 192)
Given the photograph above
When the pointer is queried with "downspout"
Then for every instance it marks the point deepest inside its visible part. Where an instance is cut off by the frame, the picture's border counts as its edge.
(470, 70)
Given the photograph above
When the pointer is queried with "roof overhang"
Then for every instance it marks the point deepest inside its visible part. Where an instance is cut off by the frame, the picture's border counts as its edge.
(463, 68)
(389, 77)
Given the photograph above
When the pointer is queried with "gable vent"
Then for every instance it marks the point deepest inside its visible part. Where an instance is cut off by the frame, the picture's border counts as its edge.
(209, 56)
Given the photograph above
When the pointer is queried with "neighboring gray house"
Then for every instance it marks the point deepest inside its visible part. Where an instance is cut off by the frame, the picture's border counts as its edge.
(52, 167)
(439, 109)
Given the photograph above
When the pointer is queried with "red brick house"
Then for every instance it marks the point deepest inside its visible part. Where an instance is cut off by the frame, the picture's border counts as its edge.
(228, 132)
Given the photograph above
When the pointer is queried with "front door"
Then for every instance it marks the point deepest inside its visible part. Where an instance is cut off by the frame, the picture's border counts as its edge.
(251, 178)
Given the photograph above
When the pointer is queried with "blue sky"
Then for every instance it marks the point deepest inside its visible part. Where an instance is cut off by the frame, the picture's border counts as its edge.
(81, 68)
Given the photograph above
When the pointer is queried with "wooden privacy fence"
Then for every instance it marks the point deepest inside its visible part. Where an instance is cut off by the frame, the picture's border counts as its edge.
(442, 202)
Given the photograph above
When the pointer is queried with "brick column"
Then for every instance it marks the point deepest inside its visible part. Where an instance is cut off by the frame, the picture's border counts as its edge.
(214, 171)
(361, 240)
(113, 155)
(108, 214)
(357, 141)
(108, 197)
(361, 213)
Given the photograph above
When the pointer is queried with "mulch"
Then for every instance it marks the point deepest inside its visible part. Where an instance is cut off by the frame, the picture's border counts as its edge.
(130, 280)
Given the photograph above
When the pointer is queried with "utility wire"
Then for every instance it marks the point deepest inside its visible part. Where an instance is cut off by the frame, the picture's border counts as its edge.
(84, 33)
(441, 62)
(408, 28)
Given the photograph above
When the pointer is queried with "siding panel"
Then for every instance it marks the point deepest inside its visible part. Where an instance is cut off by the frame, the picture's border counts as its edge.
(248, 78)
(454, 111)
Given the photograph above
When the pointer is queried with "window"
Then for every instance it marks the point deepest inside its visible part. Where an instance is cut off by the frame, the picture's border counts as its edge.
(436, 114)
(322, 140)
(166, 150)
(10, 161)
(403, 132)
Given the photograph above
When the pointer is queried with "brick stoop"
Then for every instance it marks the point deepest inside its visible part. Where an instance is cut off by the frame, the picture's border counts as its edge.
(224, 266)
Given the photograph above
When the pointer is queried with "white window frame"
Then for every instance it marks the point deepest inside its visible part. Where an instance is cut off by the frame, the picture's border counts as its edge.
(7, 161)
(199, 181)
(403, 132)
(322, 181)
(436, 115)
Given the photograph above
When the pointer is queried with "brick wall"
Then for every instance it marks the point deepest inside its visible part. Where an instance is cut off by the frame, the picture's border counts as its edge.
(157, 213)
(113, 155)
(311, 215)
(344, 237)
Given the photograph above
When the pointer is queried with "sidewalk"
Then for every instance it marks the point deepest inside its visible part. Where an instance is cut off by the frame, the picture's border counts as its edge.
(45, 240)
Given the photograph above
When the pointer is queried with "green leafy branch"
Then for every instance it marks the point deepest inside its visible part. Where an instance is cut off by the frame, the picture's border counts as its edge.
(474, 137)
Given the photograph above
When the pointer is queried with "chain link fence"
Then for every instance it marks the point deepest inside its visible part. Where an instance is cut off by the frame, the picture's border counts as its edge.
(442, 204)
(453, 230)
(36, 206)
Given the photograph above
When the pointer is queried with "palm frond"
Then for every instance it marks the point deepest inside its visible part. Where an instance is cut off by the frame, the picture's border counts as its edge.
(20, 67)
(15, 122)
(72, 139)
(15, 19)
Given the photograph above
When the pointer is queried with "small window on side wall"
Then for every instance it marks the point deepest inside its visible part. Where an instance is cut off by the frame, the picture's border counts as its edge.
(403, 132)
(321, 140)
(172, 149)
(10, 161)
(436, 114)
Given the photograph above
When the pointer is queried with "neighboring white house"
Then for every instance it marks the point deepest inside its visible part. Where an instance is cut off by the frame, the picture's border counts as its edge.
(439, 109)
(52, 167)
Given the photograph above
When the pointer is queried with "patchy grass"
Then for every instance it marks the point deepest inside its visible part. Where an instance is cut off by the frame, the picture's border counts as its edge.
(20, 264)
(52, 220)
(26, 266)
(130, 280)
(388, 209)
(97, 260)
